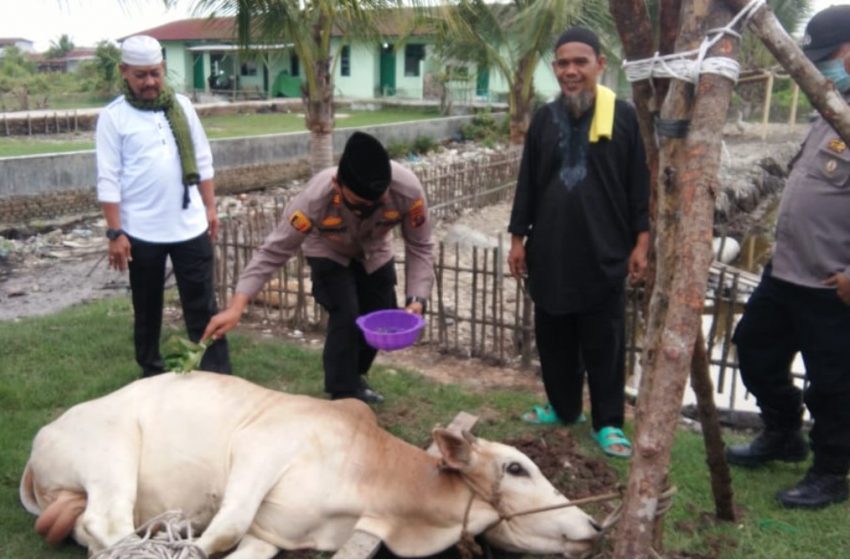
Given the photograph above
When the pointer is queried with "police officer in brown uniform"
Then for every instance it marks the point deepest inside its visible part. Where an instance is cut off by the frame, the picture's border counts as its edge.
(803, 301)
(342, 220)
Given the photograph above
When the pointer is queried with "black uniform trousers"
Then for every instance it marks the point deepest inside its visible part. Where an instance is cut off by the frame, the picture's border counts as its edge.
(346, 292)
(592, 341)
(192, 261)
(781, 319)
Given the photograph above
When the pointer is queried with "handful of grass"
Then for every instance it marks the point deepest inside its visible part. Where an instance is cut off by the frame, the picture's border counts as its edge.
(182, 355)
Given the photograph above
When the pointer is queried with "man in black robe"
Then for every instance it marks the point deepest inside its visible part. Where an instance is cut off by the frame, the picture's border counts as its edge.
(579, 226)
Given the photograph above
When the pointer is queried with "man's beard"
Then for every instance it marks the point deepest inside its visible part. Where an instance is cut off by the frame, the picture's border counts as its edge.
(579, 103)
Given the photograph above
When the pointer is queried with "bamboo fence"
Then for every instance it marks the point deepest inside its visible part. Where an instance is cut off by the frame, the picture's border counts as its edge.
(476, 308)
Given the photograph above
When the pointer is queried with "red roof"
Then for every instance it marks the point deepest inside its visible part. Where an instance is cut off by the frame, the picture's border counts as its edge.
(218, 29)
(224, 28)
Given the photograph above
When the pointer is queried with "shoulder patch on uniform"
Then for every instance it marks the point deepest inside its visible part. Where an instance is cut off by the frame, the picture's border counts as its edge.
(300, 221)
(837, 145)
(416, 213)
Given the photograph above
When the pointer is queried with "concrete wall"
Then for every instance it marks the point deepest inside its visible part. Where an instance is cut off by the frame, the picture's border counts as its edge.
(30, 185)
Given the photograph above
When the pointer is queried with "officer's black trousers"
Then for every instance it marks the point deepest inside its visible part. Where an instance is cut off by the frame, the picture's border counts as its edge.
(346, 292)
(592, 341)
(192, 261)
(781, 319)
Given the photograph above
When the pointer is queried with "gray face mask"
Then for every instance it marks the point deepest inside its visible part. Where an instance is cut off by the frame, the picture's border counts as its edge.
(834, 71)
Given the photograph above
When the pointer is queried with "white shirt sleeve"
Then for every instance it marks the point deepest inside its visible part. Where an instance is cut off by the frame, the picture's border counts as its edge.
(203, 152)
(108, 154)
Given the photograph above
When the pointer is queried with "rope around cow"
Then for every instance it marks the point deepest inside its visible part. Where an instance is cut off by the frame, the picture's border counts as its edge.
(168, 535)
(471, 549)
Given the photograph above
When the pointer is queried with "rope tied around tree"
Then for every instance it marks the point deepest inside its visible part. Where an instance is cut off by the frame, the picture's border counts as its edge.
(687, 66)
(168, 535)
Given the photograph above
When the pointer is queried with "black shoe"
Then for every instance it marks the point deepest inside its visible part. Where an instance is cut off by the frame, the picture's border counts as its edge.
(369, 395)
(365, 394)
(815, 491)
(769, 445)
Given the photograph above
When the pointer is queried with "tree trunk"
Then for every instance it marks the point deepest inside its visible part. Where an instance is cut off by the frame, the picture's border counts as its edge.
(319, 118)
(521, 101)
(635, 30)
(824, 97)
(721, 479)
(319, 106)
(686, 189)
(669, 15)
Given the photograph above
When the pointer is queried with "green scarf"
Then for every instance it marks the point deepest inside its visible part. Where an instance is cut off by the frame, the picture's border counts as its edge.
(166, 101)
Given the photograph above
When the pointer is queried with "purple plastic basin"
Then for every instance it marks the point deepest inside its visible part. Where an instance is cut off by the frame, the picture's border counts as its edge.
(390, 329)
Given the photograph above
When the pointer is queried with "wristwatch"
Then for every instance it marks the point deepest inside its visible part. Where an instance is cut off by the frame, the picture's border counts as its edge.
(417, 299)
(113, 234)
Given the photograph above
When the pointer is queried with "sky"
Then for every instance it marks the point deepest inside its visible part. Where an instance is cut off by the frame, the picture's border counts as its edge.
(90, 21)
(85, 21)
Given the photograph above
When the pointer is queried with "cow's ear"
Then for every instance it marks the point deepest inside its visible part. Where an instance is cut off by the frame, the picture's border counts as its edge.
(455, 449)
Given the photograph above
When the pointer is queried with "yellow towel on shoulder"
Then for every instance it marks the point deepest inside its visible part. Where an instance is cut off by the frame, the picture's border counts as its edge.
(602, 125)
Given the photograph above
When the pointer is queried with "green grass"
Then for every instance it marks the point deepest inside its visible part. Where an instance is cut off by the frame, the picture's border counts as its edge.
(37, 145)
(252, 124)
(50, 363)
(222, 126)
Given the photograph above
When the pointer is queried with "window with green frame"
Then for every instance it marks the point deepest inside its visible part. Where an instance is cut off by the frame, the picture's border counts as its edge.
(345, 61)
(413, 55)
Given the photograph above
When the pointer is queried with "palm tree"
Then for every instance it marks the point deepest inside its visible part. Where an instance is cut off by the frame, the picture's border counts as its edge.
(307, 26)
(59, 48)
(513, 38)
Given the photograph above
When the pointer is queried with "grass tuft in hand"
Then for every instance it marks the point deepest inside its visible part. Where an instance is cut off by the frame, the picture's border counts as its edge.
(182, 355)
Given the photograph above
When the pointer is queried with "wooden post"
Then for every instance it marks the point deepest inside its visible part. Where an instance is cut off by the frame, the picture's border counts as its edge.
(824, 97)
(795, 98)
(685, 210)
(765, 112)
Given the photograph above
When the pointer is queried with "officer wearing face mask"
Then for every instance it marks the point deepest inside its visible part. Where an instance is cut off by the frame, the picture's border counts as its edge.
(342, 220)
(803, 301)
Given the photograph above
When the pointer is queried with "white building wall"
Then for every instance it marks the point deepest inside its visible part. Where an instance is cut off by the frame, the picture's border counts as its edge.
(364, 72)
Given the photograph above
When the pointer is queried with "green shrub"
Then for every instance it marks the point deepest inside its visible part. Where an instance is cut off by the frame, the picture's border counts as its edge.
(424, 144)
(398, 150)
(485, 129)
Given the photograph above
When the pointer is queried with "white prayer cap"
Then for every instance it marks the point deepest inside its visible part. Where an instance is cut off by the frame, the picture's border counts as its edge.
(141, 50)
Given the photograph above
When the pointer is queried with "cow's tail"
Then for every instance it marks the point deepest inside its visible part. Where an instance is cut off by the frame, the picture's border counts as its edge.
(27, 492)
(57, 520)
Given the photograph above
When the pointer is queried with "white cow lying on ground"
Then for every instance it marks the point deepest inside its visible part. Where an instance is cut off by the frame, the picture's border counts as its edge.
(261, 470)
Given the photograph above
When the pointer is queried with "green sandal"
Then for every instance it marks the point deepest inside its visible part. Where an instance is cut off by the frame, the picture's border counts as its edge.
(609, 437)
(541, 415)
(546, 415)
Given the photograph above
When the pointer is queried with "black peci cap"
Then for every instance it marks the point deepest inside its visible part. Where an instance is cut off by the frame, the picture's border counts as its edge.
(579, 35)
(826, 31)
(364, 166)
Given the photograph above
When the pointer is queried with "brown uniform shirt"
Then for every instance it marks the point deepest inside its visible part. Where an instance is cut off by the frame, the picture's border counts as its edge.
(318, 221)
